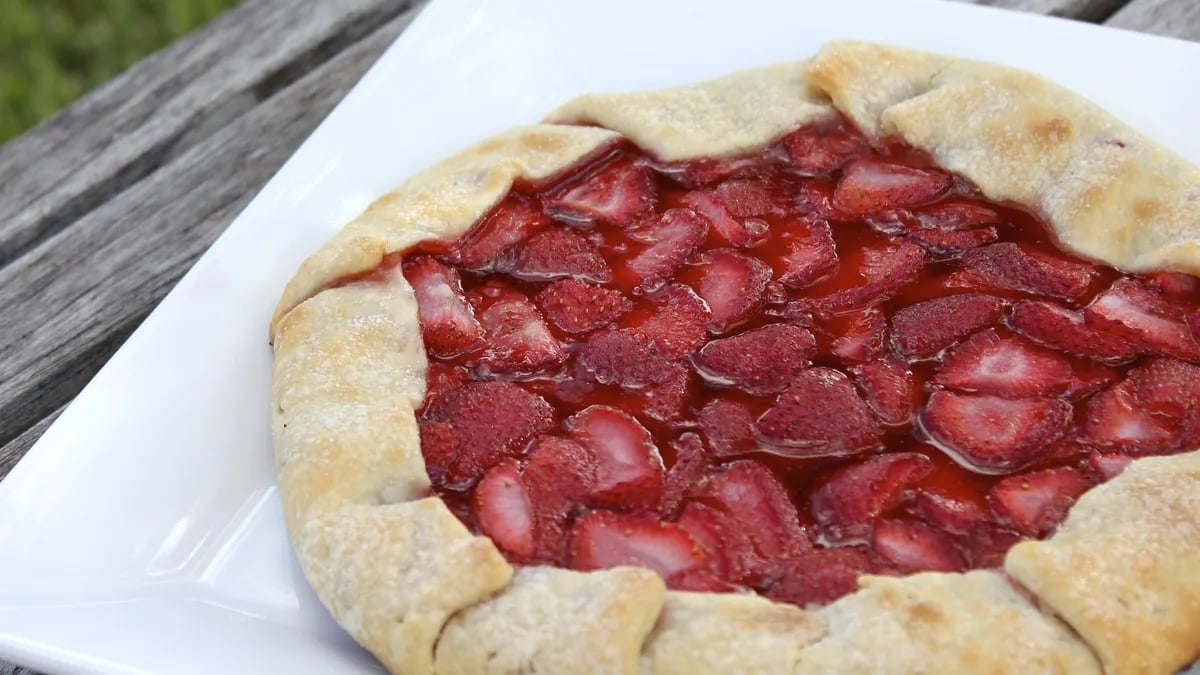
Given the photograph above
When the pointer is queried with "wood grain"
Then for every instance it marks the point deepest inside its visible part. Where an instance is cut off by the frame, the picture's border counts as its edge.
(103, 207)
(1174, 18)
(164, 105)
(72, 299)
(1085, 10)
(17, 447)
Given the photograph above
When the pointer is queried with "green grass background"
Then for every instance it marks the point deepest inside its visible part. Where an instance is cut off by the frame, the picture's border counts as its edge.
(51, 51)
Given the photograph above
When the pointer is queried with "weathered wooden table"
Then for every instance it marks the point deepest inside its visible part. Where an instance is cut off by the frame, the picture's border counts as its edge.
(106, 205)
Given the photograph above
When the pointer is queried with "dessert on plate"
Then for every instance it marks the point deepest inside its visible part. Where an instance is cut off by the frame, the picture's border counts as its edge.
(880, 361)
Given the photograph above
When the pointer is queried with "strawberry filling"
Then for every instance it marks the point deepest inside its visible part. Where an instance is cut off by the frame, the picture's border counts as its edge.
(781, 370)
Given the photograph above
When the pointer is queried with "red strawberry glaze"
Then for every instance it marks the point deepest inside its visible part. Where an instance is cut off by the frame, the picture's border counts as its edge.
(800, 376)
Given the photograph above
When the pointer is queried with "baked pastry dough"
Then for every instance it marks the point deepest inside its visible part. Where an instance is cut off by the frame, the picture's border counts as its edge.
(1117, 587)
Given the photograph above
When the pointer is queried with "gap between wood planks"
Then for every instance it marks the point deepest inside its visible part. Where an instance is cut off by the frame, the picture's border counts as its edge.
(131, 128)
(50, 370)
(70, 300)
(1094, 11)
(39, 380)
(137, 122)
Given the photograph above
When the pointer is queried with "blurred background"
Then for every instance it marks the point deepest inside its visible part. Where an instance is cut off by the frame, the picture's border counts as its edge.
(52, 51)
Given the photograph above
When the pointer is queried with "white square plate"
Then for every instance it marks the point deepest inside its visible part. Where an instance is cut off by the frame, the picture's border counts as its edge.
(143, 532)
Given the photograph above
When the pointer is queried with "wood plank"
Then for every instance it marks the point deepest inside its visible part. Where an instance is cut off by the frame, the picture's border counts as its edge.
(1084, 10)
(72, 299)
(158, 109)
(11, 453)
(1174, 18)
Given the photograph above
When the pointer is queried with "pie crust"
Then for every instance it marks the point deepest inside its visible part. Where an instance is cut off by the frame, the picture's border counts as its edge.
(1116, 589)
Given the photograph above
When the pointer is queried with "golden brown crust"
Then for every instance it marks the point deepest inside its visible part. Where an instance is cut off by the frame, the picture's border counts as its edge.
(390, 564)
(441, 202)
(406, 578)
(943, 623)
(1124, 569)
(725, 116)
(731, 633)
(556, 621)
(1109, 192)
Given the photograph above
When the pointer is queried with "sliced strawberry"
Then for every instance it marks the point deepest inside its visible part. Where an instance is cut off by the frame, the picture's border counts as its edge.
(731, 283)
(490, 421)
(728, 426)
(956, 214)
(761, 361)
(1065, 450)
(893, 265)
(1036, 502)
(822, 576)
(1116, 419)
(1142, 316)
(439, 447)
(557, 253)
(442, 377)
(629, 469)
(871, 186)
(1007, 266)
(816, 152)
(946, 230)
(1060, 328)
(989, 364)
(915, 547)
(750, 198)
(448, 324)
(923, 329)
(560, 473)
(620, 193)
(1175, 283)
(1192, 319)
(819, 415)
(677, 327)
(1106, 465)
(708, 170)
(558, 477)
(990, 434)
(810, 257)
(602, 539)
(692, 463)
(701, 581)
(988, 544)
(666, 400)
(672, 239)
(1090, 378)
(852, 497)
(885, 271)
(815, 198)
(889, 389)
(1167, 386)
(706, 526)
(740, 233)
(625, 358)
(956, 516)
(864, 338)
(947, 244)
(510, 222)
(501, 507)
(796, 312)
(518, 340)
(578, 307)
(760, 529)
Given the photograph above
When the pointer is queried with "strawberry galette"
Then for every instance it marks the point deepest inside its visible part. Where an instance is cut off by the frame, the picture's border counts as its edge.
(881, 362)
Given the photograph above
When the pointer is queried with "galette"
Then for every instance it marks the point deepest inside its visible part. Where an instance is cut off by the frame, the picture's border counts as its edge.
(884, 361)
